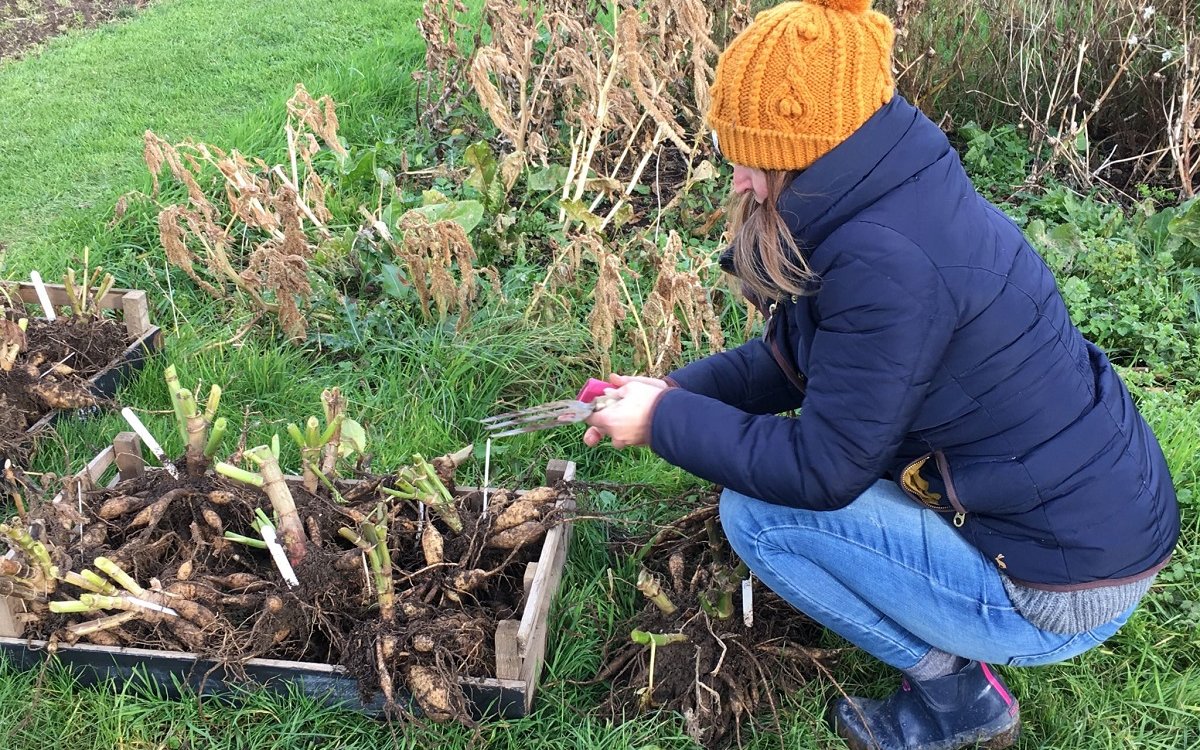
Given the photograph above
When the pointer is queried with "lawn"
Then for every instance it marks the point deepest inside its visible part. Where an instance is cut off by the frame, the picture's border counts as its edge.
(73, 116)
(219, 71)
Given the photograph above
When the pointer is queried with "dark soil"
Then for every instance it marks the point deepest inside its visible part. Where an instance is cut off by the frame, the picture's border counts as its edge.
(726, 673)
(38, 382)
(24, 24)
(169, 537)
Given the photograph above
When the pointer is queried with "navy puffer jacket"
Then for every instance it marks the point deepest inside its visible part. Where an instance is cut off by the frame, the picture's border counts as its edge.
(936, 352)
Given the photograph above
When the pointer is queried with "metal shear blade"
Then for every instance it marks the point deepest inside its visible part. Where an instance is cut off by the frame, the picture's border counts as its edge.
(543, 416)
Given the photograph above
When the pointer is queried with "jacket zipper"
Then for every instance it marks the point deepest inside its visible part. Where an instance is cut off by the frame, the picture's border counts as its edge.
(943, 465)
(789, 370)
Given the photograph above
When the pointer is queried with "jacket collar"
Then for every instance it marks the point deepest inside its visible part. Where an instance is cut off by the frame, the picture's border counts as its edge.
(892, 146)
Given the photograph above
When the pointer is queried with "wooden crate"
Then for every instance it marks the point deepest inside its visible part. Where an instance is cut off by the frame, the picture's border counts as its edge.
(520, 644)
(134, 307)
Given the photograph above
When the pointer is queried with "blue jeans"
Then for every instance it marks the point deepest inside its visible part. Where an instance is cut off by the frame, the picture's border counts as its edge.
(893, 578)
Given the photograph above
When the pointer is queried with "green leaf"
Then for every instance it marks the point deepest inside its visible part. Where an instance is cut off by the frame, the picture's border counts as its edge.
(385, 177)
(1185, 223)
(392, 281)
(479, 155)
(547, 180)
(354, 438)
(623, 216)
(577, 211)
(467, 214)
(361, 168)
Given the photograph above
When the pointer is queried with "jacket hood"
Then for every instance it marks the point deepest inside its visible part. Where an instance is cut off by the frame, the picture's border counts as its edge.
(891, 147)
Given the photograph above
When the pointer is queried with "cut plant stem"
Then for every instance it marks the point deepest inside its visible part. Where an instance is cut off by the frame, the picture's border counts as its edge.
(239, 474)
(270, 480)
(246, 540)
(118, 574)
(435, 494)
(333, 491)
(104, 623)
(653, 640)
(649, 585)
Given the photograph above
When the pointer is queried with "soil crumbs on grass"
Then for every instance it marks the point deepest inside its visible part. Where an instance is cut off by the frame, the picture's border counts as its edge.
(25, 24)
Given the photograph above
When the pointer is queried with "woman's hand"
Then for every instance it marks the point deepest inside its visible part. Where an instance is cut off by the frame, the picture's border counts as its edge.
(627, 421)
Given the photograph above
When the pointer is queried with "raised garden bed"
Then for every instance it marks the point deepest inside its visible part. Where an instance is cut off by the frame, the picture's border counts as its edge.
(515, 638)
(100, 352)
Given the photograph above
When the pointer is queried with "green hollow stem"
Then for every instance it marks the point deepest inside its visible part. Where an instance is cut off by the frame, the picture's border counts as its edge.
(337, 496)
(649, 585)
(381, 567)
(215, 436)
(248, 541)
(239, 474)
(435, 493)
(33, 549)
(71, 607)
(644, 638)
(356, 539)
(77, 579)
(115, 572)
(214, 401)
(173, 388)
(98, 582)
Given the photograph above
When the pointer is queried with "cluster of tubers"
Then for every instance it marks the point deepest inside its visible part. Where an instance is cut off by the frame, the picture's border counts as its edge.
(399, 578)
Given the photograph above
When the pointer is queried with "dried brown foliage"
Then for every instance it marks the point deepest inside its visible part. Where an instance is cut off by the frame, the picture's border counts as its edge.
(608, 308)
(258, 240)
(441, 84)
(434, 253)
(1110, 88)
(679, 299)
(561, 87)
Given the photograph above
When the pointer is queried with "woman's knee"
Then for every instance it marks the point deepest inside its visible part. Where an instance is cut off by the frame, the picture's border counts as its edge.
(738, 520)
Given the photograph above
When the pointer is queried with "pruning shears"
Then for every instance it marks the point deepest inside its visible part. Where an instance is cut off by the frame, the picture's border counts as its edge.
(590, 400)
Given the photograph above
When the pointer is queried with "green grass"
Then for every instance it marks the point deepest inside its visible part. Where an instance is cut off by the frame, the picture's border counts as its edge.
(419, 388)
(72, 118)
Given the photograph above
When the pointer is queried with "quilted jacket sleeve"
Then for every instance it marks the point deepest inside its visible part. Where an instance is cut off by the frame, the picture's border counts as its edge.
(885, 319)
(746, 378)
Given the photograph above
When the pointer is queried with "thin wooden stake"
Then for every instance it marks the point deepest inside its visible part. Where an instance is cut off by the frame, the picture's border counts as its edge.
(43, 296)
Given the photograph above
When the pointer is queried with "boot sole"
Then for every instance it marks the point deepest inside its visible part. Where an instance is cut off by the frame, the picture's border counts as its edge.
(998, 735)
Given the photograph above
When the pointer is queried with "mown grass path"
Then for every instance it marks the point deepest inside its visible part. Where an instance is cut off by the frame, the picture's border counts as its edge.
(72, 118)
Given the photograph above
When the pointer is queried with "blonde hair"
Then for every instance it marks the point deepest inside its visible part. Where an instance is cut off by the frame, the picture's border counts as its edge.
(766, 258)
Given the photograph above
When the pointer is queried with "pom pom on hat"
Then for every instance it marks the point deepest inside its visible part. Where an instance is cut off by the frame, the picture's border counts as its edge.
(799, 80)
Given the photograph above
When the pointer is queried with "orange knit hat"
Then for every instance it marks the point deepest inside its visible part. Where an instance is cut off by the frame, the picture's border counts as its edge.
(799, 80)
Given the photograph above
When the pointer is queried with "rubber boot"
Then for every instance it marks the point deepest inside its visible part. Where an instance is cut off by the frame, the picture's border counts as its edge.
(970, 708)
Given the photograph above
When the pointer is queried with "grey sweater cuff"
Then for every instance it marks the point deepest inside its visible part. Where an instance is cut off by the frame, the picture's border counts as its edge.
(1071, 612)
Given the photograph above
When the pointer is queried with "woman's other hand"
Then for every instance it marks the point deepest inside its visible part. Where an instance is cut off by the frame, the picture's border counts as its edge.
(626, 422)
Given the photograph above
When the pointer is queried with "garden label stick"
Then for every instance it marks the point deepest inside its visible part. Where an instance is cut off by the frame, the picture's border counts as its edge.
(149, 440)
(43, 296)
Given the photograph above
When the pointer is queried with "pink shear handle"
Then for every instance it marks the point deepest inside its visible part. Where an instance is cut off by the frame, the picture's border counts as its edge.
(592, 390)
